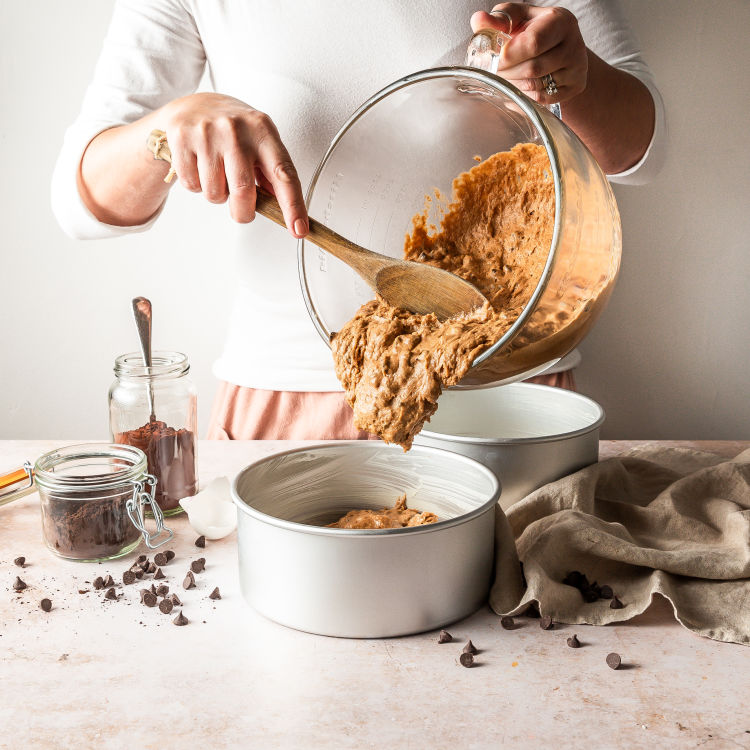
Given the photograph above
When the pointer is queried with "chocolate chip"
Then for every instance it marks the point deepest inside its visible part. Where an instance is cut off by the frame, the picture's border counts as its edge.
(469, 648)
(199, 565)
(180, 619)
(170, 555)
(110, 594)
(589, 595)
(108, 581)
(141, 559)
(616, 603)
(162, 590)
(215, 594)
(153, 589)
(507, 622)
(128, 577)
(573, 641)
(176, 600)
(83, 591)
(46, 605)
(151, 568)
(166, 606)
(614, 661)
(98, 583)
(445, 637)
(606, 592)
(160, 559)
(138, 573)
(20, 561)
(148, 597)
(18, 584)
(545, 623)
(189, 582)
(466, 659)
(576, 579)
(200, 541)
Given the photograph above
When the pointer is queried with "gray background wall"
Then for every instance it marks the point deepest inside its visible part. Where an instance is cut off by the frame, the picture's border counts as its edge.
(669, 358)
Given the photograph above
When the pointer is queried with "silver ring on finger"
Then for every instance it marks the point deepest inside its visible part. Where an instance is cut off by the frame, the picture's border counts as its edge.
(550, 86)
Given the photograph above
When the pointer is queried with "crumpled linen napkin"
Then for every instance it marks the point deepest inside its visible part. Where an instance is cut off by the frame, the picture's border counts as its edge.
(671, 521)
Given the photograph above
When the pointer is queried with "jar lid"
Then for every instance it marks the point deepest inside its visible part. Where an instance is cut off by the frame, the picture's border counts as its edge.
(90, 466)
(163, 365)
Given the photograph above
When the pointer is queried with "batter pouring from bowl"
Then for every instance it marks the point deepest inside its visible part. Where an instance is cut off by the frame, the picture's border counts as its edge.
(269, 119)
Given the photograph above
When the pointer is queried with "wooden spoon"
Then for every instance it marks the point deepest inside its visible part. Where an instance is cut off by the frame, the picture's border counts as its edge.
(417, 287)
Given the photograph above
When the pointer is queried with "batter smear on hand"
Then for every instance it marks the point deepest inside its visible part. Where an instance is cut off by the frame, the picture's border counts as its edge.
(496, 233)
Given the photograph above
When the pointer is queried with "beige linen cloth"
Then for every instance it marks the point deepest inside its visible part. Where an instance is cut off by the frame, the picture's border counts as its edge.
(671, 521)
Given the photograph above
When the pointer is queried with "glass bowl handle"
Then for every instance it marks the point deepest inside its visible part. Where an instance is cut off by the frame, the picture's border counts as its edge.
(484, 53)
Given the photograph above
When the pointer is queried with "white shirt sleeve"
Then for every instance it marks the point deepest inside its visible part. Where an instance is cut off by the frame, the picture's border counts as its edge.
(152, 54)
(608, 34)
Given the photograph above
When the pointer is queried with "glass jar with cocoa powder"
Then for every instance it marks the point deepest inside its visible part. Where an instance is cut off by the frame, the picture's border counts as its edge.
(93, 499)
(155, 409)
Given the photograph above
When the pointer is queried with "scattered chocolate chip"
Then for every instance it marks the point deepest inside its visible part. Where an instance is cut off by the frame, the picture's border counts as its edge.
(162, 590)
(199, 565)
(507, 622)
(200, 541)
(573, 641)
(189, 582)
(141, 559)
(138, 574)
(18, 584)
(466, 659)
(469, 648)
(98, 583)
(128, 577)
(148, 597)
(166, 606)
(144, 565)
(160, 559)
(606, 592)
(151, 568)
(83, 591)
(46, 605)
(170, 555)
(614, 661)
(20, 561)
(108, 581)
(176, 600)
(110, 594)
(615, 603)
(576, 579)
(215, 594)
(445, 637)
(545, 623)
(153, 589)
(589, 595)
(180, 619)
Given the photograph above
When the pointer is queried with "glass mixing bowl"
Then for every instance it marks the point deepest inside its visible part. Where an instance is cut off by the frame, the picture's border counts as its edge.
(418, 134)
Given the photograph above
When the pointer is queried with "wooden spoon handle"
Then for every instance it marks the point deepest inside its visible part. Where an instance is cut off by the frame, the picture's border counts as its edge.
(365, 262)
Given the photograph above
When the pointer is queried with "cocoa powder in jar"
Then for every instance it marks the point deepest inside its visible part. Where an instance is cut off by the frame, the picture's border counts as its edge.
(171, 459)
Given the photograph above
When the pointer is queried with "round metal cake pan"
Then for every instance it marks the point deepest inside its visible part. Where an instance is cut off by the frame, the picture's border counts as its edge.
(527, 434)
(364, 583)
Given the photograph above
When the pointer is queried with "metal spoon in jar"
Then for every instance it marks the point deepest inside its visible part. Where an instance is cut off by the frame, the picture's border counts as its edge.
(142, 315)
(417, 287)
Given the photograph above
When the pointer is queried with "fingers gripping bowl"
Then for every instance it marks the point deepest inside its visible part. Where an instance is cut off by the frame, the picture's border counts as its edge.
(364, 583)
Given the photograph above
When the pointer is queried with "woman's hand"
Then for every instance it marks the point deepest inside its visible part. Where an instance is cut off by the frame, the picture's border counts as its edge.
(544, 41)
(221, 146)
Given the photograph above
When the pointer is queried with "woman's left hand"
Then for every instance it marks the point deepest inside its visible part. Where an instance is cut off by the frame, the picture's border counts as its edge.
(544, 42)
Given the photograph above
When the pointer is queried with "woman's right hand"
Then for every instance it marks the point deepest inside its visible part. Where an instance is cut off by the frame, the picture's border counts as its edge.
(221, 147)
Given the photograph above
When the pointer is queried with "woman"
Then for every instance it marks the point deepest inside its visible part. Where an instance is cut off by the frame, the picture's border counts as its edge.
(289, 74)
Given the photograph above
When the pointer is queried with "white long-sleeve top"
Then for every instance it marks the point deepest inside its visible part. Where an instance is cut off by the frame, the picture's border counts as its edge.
(309, 66)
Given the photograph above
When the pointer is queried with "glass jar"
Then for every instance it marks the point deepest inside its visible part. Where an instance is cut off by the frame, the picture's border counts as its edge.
(93, 498)
(155, 409)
